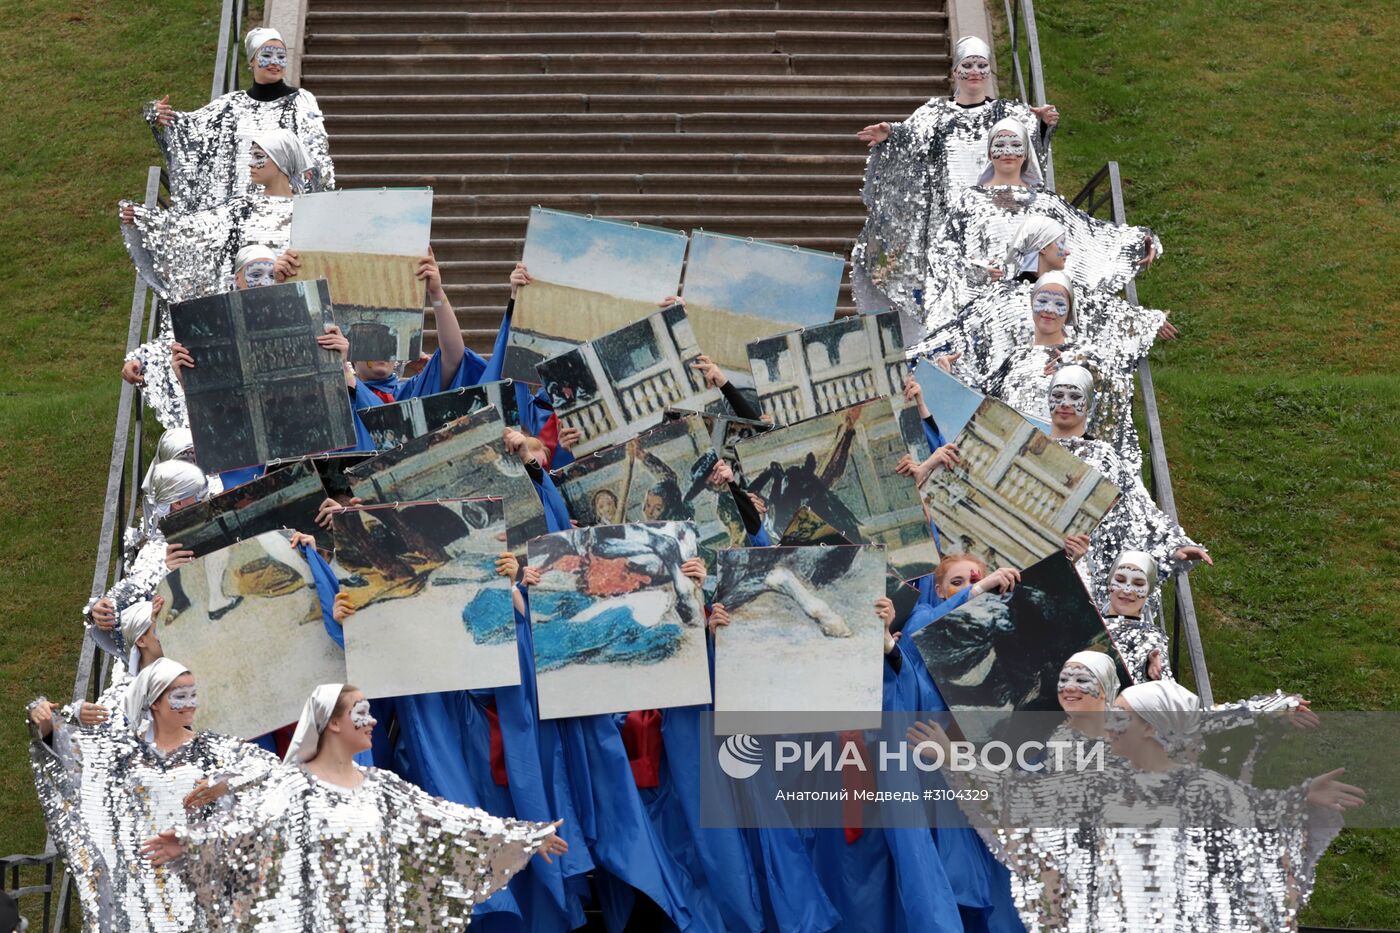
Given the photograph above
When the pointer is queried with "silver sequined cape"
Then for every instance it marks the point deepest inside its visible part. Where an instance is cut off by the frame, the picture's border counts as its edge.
(206, 150)
(910, 179)
(298, 854)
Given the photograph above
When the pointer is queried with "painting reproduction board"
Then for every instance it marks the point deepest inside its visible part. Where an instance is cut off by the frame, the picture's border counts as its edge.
(261, 388)
(616, 625)
(367, 244)
(465, 459)
(246, 620)
(432, 613)
(841, 467)
(804, 649)
(393, 424)
(590, 277)
(286, 498)
(620, 384)
(1016, 493)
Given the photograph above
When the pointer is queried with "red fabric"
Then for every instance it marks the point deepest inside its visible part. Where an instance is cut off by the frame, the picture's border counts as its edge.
(549, 434)
(283, 738)
(641, 734)
(498, 746)
(852, 780)
(387, 397)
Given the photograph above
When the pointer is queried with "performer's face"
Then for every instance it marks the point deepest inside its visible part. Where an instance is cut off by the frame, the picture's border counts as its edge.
(177, 705)
(962, 573)
(1127, 590)
(973, 71)
(256, 274)
(1053, 256)
(270, 62)
(1050, 309)
(1127, 731)
(357, 724)
(1068, 406)
(1079, 689)
(1008, 150)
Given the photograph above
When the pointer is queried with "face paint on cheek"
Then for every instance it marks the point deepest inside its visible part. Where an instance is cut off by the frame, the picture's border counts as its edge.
(270, 55)
(183, 698)
(258, 274)
(1068, 397)
(1078, 677)
(359, 715)
(1005, 144)
(1134, 586)
(973, 67)
(1050, 303)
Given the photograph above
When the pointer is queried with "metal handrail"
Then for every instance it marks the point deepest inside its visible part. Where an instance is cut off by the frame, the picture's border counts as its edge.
(1020, 23)
(1106, 187)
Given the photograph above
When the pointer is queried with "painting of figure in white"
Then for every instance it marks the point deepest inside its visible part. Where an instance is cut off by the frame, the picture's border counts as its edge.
(616, 625)
(431, 612)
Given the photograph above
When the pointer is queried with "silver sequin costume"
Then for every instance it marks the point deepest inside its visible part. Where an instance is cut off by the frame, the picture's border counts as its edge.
(206, 150)
(910, 179)
(298, 854)
(1134, 523)
(104, 791)
(977, 232)
(143, 576)
(1136, 639)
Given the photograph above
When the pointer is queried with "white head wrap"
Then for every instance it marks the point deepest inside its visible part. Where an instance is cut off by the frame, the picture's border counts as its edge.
(136, 621)
(1142, 561)
(286, 150)
(1170, 709)
(314, 716)
(1056, 277)
(1030, 168)
(251, 253)
(171, 445)
(1104, 670)
(259, 37)
(969, 46)
(168, 483)
(1074, 375)
(1034, 234)
(147, 688)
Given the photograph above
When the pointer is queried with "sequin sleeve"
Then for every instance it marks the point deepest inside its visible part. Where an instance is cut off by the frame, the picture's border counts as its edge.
(163, 392)
(140, 582)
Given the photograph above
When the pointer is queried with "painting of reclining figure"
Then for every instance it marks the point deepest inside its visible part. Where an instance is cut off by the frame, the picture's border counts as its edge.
(615, 623)
(432, 613)
(999, 653)
(465, 459)
(804, 373)
(621, 383)
(803, 636)
(1016, 494)
(841, 468)
(591, 276)
(247, 620)
(393, 424)
(367, 244)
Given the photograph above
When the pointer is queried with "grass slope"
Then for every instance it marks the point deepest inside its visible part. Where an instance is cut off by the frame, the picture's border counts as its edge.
(1254, 138)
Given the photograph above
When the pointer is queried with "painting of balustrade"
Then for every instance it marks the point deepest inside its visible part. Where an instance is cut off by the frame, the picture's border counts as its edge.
(622, 383)
(1016, 494)
(804, 373)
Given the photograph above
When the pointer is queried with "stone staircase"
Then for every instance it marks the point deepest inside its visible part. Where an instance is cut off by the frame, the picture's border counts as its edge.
(736, 116)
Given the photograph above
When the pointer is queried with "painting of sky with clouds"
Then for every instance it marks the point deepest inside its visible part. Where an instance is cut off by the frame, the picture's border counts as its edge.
(795, 288)
(604, 256)
(383, 221)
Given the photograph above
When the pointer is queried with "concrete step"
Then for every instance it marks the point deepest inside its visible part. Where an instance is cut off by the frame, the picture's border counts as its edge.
(713, 163)
(321, 21)
(383, 145)
(648, 183)
(661, 43)
(762, 226)
(624, 6)
(390, 67)
(342, 126)
(406, 104)
(638, 84)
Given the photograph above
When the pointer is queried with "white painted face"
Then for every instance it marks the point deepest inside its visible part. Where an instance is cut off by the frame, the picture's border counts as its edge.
(360, 717)
(1068, 396)
(183, 698)
(1007, 143)
(1053, 302)
(257, 158)
(1075, 676)
(270, 55)
(258, 273)
(1130, 581)
(973, 66)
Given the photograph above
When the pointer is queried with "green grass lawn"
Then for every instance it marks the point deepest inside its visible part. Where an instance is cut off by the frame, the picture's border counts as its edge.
(1254, 136)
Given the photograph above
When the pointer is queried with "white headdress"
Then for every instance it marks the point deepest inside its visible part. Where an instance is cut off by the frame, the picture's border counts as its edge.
(259, 37)
(314, 716)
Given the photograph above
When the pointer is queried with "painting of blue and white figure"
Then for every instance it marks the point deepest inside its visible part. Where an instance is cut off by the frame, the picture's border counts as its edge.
(616, 625)
(590, 277)
(738, 290)
(431, 611)
(803, 638)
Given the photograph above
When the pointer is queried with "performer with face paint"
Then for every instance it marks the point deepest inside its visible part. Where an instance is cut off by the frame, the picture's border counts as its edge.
(918, 167)
(327, 845)
(207, 151)
(1141, 643)
(1134, 522)
(105, 790)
